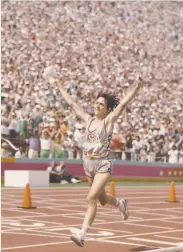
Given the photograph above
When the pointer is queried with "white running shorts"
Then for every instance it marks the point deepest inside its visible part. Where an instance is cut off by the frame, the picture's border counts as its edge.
(94, 166)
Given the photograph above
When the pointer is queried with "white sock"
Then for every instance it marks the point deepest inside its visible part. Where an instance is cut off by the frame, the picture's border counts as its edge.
(84, 231)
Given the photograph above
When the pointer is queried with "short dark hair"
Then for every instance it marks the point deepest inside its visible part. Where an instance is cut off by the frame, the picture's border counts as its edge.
(111, 99)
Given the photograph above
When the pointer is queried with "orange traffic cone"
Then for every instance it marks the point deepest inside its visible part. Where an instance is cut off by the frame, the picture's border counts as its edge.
(172, 193)
(27, 203)
(112, 189)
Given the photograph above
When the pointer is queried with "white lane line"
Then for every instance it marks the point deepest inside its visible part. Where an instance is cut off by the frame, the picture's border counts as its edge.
(65, 206)
(43, 188)
(147, 197)
(69, 216)
(168, 237)
(60, 235)
(142, 187)
(47, 228)
(26, 216)
(143, 234)
(40, 218)
(148, 226)
(122, 243)
(36, 245)
(14, 230)
(84, 194)
(21, 211)
(166, 209)
(39, 221)
(174, 210)
(101, 229)
(140, 208)
(172, 221)
(47, 202)
(68, 210)
(35, 234)
(113, 230)
(156, 214)
(63, 195)
(136, 221)
(30, 216)
(172, 249)
(112, 215)
(150, 202)
(152, 241)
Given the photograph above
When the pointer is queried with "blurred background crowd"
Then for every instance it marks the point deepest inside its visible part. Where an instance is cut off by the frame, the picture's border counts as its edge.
(95, 46)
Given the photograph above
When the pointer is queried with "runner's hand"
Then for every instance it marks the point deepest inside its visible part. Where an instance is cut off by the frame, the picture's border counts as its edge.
(139, 82)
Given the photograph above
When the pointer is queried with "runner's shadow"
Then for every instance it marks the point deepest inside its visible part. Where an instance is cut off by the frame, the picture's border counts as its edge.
(140, 249)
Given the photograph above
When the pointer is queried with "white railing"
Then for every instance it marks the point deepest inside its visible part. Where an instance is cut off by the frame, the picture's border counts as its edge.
(10, 144)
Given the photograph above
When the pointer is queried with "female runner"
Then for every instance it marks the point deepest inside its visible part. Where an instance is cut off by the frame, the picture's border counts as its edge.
(96, 162)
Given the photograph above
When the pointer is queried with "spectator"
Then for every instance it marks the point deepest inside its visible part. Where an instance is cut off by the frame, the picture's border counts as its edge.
(136, 146)
(65, 176)
(23, 127)
(12, 126)
(5, 150)
(151, 154)
(20, 153)
(78, 138)
(46, 144)
(55, 177)
(160, 157)
(69, 145)
(143, 153)
(64, 127)
(181, 155)
(58, 147)
(128, 147)
(173, 155)
(31, 125)
(5, 128)
(34, 145)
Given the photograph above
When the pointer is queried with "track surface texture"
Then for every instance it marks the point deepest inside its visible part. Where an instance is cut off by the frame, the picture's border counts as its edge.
(154, 224)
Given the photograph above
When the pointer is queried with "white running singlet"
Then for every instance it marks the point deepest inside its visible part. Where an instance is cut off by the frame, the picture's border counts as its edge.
(97, 141)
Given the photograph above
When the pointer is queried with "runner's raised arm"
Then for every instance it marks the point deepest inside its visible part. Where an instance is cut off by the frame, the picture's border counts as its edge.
(51, 76)
(113, 116)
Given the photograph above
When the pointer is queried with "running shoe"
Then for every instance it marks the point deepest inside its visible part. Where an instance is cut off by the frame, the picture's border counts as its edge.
(123, 208)
(78, 239)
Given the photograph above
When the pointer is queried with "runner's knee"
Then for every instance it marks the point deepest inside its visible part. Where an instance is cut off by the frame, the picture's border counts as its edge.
(91, 200)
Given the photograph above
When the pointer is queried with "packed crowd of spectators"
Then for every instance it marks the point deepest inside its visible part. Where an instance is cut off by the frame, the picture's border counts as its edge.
(95, 46)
